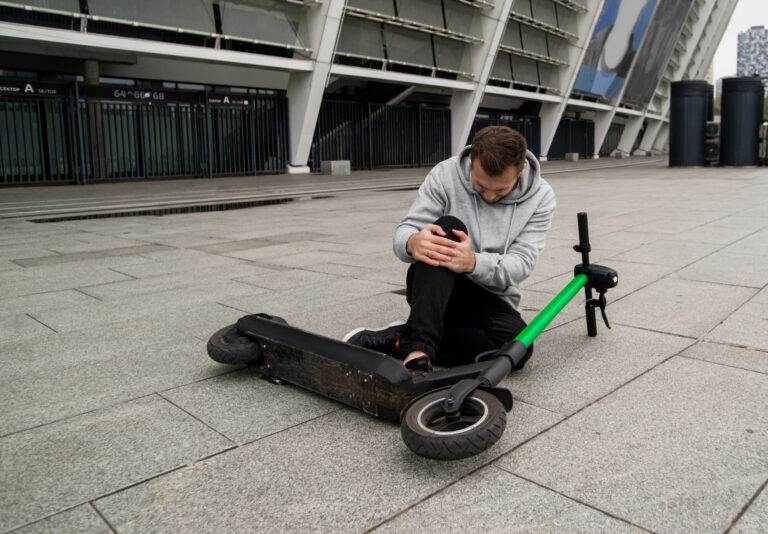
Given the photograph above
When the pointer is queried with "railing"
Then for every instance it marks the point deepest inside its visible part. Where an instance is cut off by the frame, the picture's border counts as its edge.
(377, 135)
(72, 133)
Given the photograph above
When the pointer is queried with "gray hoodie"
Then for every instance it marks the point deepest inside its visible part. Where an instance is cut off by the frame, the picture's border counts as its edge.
(506, 236)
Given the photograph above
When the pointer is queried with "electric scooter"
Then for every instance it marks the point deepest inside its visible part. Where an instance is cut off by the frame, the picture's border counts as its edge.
(446, 414)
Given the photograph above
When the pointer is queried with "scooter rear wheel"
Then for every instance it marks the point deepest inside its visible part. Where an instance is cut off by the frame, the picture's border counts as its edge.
(230, 345)
(429, 432)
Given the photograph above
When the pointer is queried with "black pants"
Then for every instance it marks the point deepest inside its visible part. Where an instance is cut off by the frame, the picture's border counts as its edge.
(453, 319)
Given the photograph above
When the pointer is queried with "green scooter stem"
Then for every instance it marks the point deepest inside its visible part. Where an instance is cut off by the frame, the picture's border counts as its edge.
(542, 320)
(515, 350)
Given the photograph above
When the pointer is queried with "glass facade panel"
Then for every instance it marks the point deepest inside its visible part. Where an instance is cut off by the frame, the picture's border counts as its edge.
(361, 37)
(512, 35)
(534, 40)
(408, 46)
(524, 70)
(265, 20)
(174, 13)
(70, 6)
(558, 48)
(501, 68)
(544, 11)
(522, 7)
(450, 54)
(567, 20)
(462, 19)
(548, 75)
(423, 11)
(386, 7)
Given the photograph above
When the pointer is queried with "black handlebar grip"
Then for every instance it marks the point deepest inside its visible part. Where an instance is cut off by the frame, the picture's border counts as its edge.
(584, 246)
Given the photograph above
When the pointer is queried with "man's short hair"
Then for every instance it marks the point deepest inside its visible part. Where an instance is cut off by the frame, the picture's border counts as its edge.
(498, 147)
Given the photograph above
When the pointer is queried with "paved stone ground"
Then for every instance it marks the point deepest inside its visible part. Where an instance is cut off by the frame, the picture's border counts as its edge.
(113, 419)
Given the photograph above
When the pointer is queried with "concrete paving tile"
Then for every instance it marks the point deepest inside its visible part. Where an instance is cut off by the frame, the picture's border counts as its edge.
(650, 452)
(569, 370)
(391, 274)
(742, 222)
(667, 225)
(335, 319)
(338, 269)
(43, 301)
(753, 245)
(198, 278)
(344, 472)
(79, 519)
(632, 276)
(493, 499)
(761, 297)
(64, 464)
(624, 240)
(752, 360)
(158, 268)
(47, 279)
(19, 326)
(304, 301)
(755, 518)
(286, 279)
(385, 258)
(234, 246)
(244, 407)
(747, 326)
(37, 393)
(668, 252)
(90, 258)
(681, 307)
(88, 242)
(727, 268)
(712, 233)
(275, 251)
(9, 252)
(156, 304)
(310, 259)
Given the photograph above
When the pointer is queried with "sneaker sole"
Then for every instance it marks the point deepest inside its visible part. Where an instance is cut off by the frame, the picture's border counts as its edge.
(358, 330)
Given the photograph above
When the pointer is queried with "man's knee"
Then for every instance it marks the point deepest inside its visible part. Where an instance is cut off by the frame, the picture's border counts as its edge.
(449, 223)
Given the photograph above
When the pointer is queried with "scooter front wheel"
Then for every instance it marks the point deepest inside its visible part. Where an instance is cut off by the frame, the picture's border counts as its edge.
(428, 431)
(230, 345)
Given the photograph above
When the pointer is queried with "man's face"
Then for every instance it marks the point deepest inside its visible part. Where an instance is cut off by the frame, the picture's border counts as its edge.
(494, 188)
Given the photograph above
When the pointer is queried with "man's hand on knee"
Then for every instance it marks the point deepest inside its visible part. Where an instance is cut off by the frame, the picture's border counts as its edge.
(464, 259)
(431, 246)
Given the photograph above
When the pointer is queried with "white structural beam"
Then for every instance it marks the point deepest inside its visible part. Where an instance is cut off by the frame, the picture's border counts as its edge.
(661, 140)
(399, 77)
(305, 89)
(464, 103)
(552, 112)
(721, 17)
(697, 29)
(605, 119)
(707, 32)
(38, 36)
(630, 132)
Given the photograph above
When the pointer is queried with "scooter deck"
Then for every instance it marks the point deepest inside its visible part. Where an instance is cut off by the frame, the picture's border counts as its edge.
(369, 381)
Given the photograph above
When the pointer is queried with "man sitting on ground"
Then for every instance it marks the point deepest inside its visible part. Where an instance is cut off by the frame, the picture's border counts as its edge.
(471, 236)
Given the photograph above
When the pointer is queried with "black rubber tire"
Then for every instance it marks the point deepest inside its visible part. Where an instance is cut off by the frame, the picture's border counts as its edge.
(481, 423)
(230, 345)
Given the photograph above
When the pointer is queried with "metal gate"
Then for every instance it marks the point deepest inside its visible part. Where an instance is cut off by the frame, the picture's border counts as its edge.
(378, 135)
(36, 133)
(70, 133)
(528, 126)
(573, 135)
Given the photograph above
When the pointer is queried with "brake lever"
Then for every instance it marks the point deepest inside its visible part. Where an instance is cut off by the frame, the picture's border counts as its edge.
(601, 302)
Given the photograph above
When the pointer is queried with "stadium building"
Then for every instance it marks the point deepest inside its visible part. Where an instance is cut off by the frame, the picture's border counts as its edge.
(752, 53)
(99, 90)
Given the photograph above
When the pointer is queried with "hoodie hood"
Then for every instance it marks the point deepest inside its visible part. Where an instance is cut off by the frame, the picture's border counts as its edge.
(527, 185)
